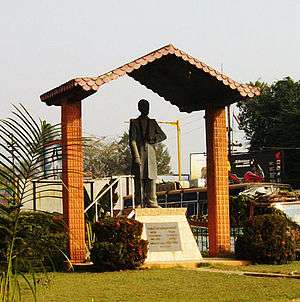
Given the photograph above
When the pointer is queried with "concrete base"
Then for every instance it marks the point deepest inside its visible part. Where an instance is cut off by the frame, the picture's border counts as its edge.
(79, 267)
(172, 264)
(224, 261)
(171, 241)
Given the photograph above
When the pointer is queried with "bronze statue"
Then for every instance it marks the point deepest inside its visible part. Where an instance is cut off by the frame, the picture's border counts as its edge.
(144, 133)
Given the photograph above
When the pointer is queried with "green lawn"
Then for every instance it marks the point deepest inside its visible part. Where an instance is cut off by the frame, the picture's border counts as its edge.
(293, 267)
(165, 285)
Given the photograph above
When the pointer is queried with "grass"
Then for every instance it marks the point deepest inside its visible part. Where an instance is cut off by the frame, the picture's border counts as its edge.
(165, 285)
(293, 267)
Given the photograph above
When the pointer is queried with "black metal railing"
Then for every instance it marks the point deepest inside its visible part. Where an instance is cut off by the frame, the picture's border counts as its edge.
(202, 239)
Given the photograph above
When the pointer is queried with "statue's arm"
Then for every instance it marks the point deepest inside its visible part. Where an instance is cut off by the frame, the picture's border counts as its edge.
(132, 142)
(135, 152)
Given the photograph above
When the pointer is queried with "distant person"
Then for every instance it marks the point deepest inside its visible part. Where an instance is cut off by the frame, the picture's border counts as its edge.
(144, 133)
(255, 175)
(233, 178)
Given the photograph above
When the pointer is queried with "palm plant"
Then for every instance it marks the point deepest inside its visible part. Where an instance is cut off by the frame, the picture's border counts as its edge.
(23, 154)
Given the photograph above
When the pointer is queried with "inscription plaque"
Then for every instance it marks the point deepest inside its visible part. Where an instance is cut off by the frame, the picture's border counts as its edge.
(163, 237)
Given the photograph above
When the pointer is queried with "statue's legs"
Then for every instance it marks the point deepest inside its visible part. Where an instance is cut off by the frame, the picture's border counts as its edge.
(150, 198)
(138, 192)
(145, 193)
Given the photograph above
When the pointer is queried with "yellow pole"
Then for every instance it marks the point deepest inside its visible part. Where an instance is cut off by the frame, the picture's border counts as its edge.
(178, 129)
(179, 148)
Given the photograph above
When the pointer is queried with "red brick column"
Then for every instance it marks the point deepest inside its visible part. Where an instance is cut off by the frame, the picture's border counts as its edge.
(217, 182)
(72, 176)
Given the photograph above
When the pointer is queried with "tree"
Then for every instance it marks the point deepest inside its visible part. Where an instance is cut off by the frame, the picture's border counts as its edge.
(271, 121)
(163, 159)
(106, 158)
(22, 141)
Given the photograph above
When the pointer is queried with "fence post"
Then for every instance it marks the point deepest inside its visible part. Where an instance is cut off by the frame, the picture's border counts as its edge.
(121, 194)
(34, 194)
(111, 203)
(132, 192)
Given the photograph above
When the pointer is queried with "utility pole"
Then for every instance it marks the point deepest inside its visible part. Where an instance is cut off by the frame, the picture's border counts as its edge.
(229, 138)
(229, 132)
(178, 130)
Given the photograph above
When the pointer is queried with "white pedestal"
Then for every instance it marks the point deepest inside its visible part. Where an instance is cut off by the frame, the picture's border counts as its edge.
(169, 235)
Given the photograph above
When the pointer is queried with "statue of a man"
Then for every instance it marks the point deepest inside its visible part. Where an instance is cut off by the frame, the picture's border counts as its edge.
(144, 133)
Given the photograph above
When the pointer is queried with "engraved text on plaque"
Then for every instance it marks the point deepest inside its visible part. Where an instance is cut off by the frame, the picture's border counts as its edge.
(163, 237)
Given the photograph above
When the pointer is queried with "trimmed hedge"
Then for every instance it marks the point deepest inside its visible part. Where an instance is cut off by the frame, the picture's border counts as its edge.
(41, 240)
(118, 244)
(267, 238)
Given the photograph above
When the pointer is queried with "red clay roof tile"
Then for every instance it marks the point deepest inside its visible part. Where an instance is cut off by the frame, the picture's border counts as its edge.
(92, 84)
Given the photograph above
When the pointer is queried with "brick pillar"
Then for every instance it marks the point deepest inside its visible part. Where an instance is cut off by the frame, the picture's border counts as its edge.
(72, 176)
(217, 182)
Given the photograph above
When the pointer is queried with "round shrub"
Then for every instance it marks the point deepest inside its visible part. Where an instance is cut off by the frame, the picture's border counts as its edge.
(45, 237)
(267, 239)
(40, 240)
(118, 244)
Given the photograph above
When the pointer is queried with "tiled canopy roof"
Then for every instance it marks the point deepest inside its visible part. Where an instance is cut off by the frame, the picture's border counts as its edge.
(176, 76)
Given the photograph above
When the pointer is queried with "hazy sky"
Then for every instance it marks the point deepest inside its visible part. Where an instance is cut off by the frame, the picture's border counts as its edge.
(45, 43)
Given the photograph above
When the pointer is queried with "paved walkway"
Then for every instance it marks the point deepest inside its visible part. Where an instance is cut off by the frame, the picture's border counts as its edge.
(245, 273)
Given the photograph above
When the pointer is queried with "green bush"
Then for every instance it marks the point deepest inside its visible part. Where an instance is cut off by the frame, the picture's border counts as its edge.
(118, 244)
(40, 241)
(267, 238)
(239, 211)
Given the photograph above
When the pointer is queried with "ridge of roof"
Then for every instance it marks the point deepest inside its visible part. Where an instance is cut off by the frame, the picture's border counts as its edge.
(91, 84)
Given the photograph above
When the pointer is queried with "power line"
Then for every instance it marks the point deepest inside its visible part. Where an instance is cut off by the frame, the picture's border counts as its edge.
(187, 132)
(184, 132)
(191, 121)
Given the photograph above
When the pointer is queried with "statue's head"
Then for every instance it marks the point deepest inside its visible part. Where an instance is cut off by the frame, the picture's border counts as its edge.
(143, 107)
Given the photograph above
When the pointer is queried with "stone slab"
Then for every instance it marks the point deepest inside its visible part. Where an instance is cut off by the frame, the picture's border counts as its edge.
(169, 235)
(177, 264)
(159, 211)
(225, 261)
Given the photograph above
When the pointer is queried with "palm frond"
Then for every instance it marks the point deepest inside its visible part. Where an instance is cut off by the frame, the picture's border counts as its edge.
(24, 152)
